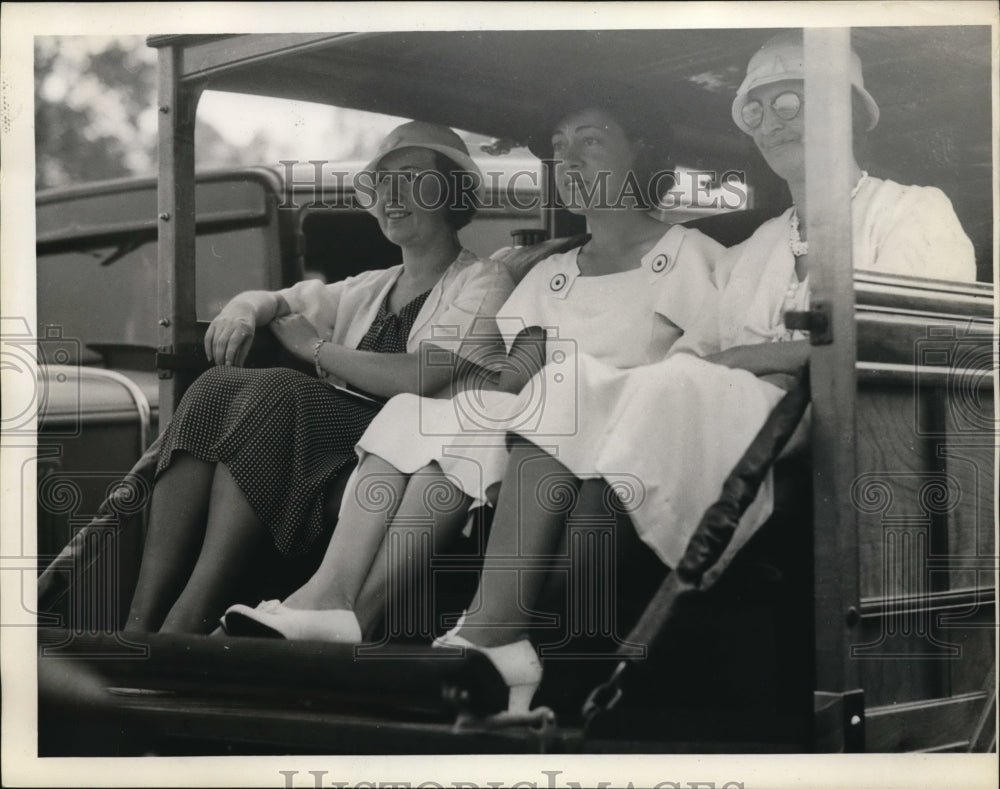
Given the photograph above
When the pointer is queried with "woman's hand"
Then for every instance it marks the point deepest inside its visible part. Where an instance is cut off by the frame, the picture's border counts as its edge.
(297, 334)
(526, 358)
(230, 335)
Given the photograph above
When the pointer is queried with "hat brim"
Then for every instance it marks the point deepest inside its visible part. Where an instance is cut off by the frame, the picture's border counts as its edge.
(463, 160)
(741, 99)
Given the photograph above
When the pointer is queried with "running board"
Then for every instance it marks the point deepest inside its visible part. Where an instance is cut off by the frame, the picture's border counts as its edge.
(425, 682)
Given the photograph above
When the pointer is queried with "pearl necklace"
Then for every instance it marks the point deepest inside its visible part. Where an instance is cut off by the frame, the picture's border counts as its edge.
(795, 242)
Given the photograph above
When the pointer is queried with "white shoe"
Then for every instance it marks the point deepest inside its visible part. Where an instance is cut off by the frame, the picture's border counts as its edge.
(271, 619)
(517, 664)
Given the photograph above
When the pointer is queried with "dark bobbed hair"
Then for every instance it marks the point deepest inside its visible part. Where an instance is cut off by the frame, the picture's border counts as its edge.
(462, 202)
(641, 124)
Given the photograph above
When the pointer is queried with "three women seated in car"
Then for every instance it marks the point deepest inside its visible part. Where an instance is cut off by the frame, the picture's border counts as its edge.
(658, 355)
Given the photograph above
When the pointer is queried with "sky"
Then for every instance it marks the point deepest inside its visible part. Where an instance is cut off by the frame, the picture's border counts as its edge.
(297, 128)
(256, 130)
(269, 129)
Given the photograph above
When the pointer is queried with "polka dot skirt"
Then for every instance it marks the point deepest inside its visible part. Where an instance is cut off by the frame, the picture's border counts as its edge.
(283, 434)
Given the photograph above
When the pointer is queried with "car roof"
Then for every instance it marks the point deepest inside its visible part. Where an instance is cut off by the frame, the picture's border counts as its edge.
(502, 83)
(933, 86)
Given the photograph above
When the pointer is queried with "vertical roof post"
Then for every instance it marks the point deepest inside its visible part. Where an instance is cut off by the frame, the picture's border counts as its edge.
(829, 154)
(175, 222)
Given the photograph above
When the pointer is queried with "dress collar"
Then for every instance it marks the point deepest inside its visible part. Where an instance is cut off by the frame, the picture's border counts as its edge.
(658, 262)
(465, 258)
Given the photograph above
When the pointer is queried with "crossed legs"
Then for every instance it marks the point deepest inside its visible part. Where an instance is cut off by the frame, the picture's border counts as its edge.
(361, 565)
(528, 530)
(202, 538)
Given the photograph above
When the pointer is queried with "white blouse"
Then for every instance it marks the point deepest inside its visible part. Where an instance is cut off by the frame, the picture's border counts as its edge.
(897, 229)
(343, 311)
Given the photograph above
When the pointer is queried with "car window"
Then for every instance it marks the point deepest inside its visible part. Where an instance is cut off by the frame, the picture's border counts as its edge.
(291, 135)
(98, 302)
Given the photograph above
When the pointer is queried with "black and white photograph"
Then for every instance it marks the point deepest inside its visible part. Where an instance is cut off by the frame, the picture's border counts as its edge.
(526, 394)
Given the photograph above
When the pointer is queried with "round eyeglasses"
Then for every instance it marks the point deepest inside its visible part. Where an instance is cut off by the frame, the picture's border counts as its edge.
(785, 105)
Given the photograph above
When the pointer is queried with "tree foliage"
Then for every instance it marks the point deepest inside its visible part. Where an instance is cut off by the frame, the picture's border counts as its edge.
(93, 106)
(95, 116)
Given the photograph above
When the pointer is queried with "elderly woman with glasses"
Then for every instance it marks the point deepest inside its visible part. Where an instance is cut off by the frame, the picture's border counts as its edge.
(679, 426)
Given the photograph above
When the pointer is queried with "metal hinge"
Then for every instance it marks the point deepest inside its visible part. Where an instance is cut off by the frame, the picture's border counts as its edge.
(188, 356)
(818, 321)
(839, 722)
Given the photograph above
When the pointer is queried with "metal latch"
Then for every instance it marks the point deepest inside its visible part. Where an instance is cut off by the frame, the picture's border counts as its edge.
(818, 321)
(839, 721)
(854, 721)
(187, 356)
(605, 696)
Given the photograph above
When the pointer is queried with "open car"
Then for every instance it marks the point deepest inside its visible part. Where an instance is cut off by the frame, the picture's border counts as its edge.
(96, 244)
(861, 617)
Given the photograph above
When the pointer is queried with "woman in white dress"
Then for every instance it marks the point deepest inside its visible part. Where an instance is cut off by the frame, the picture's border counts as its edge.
(680, 425)
(625, 298)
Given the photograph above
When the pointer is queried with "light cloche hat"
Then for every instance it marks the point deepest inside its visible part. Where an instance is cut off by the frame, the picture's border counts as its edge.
(781, 58)
(418, 134)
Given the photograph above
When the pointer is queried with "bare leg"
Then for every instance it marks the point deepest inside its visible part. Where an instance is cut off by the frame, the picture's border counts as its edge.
(366, 510)
(536, 494)
(584, 596)
(431, 514)
(175, 534)
(235, 543)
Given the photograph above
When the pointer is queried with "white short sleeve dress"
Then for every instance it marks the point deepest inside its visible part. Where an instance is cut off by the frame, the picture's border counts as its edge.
(617, 319)
(669, 433)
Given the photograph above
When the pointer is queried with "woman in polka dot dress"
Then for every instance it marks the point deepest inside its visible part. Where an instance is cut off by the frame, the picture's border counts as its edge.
(625, 297)
(245, 462)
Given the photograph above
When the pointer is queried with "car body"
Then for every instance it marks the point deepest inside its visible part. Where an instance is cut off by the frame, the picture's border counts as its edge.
(96, 269)
(868, 623)
(259, 228)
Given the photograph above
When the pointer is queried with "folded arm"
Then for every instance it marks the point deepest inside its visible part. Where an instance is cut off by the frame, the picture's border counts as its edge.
(430, 370)
(764, 358)
(511, 372)
(424, 372)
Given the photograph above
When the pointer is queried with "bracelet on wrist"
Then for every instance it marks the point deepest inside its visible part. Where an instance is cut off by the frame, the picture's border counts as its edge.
(320, 372)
